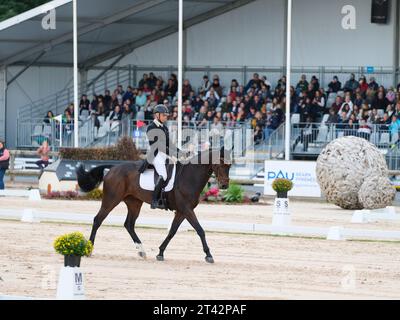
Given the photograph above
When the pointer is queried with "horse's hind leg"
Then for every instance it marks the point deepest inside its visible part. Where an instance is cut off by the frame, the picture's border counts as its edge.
(174, 228)
(134, 206)
(109, 202)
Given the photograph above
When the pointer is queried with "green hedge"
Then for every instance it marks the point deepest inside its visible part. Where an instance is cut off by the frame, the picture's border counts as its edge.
(124, 150)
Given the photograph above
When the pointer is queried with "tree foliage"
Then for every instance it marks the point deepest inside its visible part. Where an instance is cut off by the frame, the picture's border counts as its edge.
(11, 8)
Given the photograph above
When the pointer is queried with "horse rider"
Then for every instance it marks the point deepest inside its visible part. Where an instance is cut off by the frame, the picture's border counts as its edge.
(161, 149)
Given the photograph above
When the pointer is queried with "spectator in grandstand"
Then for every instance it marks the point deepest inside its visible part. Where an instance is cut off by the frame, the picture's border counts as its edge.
(258, 120)
(107, 100)
(49, 116)
(364, 130)
(83, 104)
(186, 123)
(213, 92)
(212, 99)
(373, 85)
(187, 109)
(116, 115)
(363, 86)
(351, 85)
(337, 104)
(307, 109)
(384, 122)
(233, 92)
(145, 79)
(43, 151)
(394, 126)
(241, 115)
(120, 90)
(346, 108)
(159, 83)
(311, 91)
(141, 100)
(391, 95)
(319, 102)
(186, 89)
(390, 110)
(67, 118)
(374, 117)
(348, 102)
(4, 162)
(358, 101)
(350, 128)
(342, 123)
(229, 120)
(370, 98)
(254, 83)
(146, 89)
(397, 109)
(201, 115)
(217, 86)
(315, 83)
(70, 109)
(205, 85)
(258, 135)
(258, 103)
(335, 85)
(266, 82)
(149, 106)
(333, 117)
(152, 81)
(174, 116)
(274, 122)
(128, 94)
(381, 102)
(252, 114)
(171, 89)
(216, 127)
(281, 84)
(302, 85)
(126, 117)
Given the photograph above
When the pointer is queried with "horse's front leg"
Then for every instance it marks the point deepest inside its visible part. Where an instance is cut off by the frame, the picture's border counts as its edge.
(191, 217)
(174, 228)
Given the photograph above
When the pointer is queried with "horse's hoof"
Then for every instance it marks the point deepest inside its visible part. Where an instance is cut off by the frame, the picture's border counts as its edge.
(142, 255)
(210, 259)
(160, 258)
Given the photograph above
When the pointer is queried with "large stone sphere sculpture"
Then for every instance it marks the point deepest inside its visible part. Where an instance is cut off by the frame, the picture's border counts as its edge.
(342, 168)
(376, 192)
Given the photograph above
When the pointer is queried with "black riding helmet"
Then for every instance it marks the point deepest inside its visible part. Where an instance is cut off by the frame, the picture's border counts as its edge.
(161, 109)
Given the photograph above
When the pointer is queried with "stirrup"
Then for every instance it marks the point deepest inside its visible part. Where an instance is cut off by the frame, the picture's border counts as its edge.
(158, 204)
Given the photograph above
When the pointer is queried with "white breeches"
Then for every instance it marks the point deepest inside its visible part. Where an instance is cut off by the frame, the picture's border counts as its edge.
(159, 164)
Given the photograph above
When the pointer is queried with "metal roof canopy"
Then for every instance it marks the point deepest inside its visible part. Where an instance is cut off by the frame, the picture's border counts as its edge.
(106, 29)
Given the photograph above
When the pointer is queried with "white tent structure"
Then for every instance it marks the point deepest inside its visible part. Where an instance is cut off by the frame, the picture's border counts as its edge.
(217, 33)
(98, 24)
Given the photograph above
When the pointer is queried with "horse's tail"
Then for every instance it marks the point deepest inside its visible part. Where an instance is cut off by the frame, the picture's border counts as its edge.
(88, 181)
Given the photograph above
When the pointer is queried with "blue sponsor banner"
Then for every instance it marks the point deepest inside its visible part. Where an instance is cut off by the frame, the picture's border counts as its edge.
(370, 69)
(301, 173)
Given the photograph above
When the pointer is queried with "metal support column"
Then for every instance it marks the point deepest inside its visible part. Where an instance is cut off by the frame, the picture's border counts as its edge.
(3, 97)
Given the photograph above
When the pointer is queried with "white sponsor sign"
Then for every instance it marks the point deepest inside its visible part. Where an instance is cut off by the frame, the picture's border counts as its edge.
(301, 173)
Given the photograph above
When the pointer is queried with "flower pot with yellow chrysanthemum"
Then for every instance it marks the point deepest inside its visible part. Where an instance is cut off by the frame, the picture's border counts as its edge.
(73, 246)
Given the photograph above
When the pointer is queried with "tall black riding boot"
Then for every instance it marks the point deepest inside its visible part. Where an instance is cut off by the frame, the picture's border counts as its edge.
(156, 194)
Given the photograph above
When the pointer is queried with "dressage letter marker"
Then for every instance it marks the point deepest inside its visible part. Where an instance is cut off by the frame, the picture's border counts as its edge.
(70, 284)
(281, 215)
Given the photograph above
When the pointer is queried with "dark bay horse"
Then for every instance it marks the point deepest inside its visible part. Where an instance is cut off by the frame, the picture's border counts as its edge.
(122, 184)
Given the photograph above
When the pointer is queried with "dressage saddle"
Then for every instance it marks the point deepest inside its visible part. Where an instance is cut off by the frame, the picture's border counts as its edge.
(163, 200)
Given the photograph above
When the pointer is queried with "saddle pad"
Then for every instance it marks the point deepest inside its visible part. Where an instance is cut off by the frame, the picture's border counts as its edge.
(146, 180)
